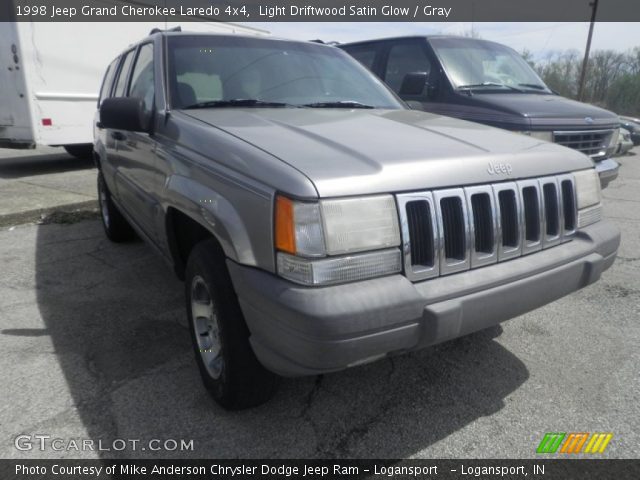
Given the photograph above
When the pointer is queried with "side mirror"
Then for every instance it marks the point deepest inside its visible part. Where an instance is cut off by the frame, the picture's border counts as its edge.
(414, 83)
(125, 113)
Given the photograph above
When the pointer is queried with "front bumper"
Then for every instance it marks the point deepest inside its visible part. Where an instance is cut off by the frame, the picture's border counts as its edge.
(299, 330)
(608, 171)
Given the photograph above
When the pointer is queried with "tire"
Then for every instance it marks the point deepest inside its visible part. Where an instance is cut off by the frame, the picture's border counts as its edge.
(115, 225)
(83, 151)
(229, 369)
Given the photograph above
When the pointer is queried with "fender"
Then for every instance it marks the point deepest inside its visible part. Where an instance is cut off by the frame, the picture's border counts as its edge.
(215, 213)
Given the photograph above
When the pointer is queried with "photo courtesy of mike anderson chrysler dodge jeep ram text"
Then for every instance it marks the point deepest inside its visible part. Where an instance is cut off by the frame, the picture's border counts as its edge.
(317, 222)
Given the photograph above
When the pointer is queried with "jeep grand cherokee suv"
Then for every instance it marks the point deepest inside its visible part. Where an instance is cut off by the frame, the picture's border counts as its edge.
(316, 221)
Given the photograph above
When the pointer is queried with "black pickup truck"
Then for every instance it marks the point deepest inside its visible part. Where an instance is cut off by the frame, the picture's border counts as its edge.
(489, 83)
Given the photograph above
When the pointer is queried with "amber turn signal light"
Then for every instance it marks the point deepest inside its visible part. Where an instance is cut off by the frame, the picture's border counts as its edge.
(285, 230)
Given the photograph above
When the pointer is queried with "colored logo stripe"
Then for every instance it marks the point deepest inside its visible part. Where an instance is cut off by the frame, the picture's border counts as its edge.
(550, 442)
(598, 442)
(573, 442)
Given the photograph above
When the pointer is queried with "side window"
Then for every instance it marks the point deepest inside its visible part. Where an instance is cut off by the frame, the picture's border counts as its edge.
(108, 81)
(405, 58)
(121, 83)
(366, 55)
(142, 84)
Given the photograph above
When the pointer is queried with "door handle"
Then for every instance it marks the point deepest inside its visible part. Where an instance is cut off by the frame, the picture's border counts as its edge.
(118, 136)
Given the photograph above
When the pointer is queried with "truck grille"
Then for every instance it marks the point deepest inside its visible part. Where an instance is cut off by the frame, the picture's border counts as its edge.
(590, 142)
(452, 230)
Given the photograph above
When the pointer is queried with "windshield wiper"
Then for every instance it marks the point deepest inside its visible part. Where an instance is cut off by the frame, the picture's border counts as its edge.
(237, 102)
(489, 84)
(338, 104)
(532, 85)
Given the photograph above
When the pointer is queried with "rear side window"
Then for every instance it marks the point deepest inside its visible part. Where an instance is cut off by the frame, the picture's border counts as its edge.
(366, 55)
(108, 81)
(142, 83)
(405, 58)
(121, 83)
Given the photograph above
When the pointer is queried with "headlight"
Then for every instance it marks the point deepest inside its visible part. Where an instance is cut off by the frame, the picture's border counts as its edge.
(614, 138)
(306, 231)
(587, 188)
(588, 196)
(546, 136)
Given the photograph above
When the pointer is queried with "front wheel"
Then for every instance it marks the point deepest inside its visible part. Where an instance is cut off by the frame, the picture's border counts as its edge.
(228, 367)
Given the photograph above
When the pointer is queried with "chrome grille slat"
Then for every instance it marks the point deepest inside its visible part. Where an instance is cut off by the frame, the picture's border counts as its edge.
(452, 230)
(552, 208)
(453, 217)
(568, 197)
(509, 217)
(412, 270)
(532, 216)
(482, 217)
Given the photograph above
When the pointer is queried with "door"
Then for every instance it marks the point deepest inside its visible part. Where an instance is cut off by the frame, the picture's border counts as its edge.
(405, 57)
(136, 174)
(15, 121)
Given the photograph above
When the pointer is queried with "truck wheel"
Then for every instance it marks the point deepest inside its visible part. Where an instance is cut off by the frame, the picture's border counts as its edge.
(228, 367)
(115, 225)
(81, 150)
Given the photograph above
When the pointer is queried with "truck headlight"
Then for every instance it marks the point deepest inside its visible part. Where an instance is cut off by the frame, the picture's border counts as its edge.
(546, 136)
(588, 196)
(306, 232)
(613, 141)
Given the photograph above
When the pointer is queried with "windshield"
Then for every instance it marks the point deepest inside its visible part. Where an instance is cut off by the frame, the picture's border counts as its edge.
(471, 63)
(218, 71)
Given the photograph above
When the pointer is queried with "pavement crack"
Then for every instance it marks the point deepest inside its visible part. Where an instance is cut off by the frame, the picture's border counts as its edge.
(392, 363)
(356, 432)
(305, 414)
(100, 259)
(311, 396)
(33, 184)
(627, 259)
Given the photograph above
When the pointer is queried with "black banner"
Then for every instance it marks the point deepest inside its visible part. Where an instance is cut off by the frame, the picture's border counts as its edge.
(317, 10)
(584, 469)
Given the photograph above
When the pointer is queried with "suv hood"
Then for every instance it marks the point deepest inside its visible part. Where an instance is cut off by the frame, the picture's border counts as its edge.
(551, 111)
(352, 152)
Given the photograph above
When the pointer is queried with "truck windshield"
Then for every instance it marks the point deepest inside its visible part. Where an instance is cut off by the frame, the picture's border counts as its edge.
(207, 71)
(482, 65)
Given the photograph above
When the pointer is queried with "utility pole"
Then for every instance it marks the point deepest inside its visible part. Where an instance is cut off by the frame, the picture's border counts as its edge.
(585, 62)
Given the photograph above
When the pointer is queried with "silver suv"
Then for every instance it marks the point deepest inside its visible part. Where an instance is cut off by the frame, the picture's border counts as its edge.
(318, 223)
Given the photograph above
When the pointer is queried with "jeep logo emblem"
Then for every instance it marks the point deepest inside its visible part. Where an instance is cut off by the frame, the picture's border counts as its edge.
(498, 168)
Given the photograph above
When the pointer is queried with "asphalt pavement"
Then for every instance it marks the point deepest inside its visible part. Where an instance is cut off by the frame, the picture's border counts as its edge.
(94, 345)
(36, 183)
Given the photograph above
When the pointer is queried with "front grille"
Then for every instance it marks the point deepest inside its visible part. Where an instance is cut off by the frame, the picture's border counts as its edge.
(454, 228)
(509, 218)
(420, 226)
(590, 142)
(447, 231)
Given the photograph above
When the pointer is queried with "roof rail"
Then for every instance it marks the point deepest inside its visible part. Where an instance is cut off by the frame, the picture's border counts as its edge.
(158, 30)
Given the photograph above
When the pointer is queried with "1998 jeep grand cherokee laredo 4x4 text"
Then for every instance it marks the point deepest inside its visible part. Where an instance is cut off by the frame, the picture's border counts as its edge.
(318, 223)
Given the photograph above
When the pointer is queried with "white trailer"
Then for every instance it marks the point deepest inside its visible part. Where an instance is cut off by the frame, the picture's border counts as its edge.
(50, 76)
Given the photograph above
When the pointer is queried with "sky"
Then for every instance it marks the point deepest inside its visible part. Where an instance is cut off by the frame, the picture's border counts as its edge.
(537, 37)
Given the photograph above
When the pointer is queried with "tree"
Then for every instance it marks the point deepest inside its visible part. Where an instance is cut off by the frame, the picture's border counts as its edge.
(613, 78)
